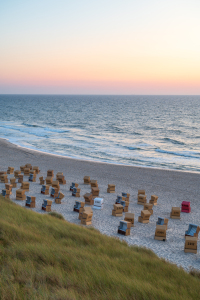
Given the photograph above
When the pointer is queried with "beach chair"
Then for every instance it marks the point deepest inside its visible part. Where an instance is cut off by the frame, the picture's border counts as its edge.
(61, 178)
(55, 184)
(13, 182)
(193, 230)
(148, 206)
(36, 169)
(111, 188)
(25, 186)
(54, 192)
(26, 171)
(32, 175)
(94, 183)
(129, 217)
(59, 197)
(124, 228)
(6, 193)
(50, 173)
(78, 207)
(46, 205)
(10, 170)
(125, 205)
(28, 166)
(185, 207)
(98, 203)
(142, 199)
(17, 173)
(160, 233)
(119, 199)
(162, 221)
(20, 178)
(88, 199)
(126, 196)
(45, 189)
(86, 216)
(49, 180)
(20, 194)
(59, 174)
(22, 168)
(86, 179)
(3, 192)
(2, 173)
(145, 216)
(175, 213)
(30, 201)
(4, 178)
(190, 244)
(74, 185)
(117, 211)
(42, 181)
(153, 199)
(141, 192)
(76, 192)
(95, 191)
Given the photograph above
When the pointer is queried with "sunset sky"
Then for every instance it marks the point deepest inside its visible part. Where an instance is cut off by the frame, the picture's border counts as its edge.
(100, 47)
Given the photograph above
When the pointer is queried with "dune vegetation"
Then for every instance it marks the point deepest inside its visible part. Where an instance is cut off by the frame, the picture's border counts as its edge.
(45, 257)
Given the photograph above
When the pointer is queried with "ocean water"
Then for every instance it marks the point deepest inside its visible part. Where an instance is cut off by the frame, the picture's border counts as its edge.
(150, 131)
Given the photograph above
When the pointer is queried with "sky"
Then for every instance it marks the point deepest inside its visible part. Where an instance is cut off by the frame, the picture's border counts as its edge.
(100, 47)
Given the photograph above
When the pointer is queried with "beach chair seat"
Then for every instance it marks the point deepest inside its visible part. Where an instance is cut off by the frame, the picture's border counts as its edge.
(190, 244)
(142, 199)
(124, 228)
(93, 183)
(111, 188)
(30, 201)
(17, 173)
(153, 200)
(98, 203)
(175, 213)
(25, 186)
(145, 216)
(73, 185)
(45, 189)
(46, 205)
(20, 178)
(160, 233)
(10, 170)
(20, 194)
(79, 205)
(13, 182)
(76, 192)
(36, 169)
(117, 210)
(148, 206)
(86, 179)
(185, 207)
(193, 230)
(88, 198)
(59, 198)
(50, 173)
(129, 217)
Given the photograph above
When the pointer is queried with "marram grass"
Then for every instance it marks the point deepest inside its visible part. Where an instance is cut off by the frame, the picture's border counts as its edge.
(42, 257)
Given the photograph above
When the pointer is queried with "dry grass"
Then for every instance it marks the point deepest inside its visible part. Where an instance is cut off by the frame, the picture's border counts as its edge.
(47, 258)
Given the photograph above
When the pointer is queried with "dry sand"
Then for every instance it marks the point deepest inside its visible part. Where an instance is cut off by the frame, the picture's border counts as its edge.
(172, 187)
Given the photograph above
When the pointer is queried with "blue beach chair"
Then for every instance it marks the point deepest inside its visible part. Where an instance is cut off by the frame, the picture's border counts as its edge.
(3, 193)
(192, 230)
(160, 221)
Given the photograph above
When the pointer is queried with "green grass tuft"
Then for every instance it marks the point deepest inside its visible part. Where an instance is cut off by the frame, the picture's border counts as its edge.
(45, 258)
(56, 215)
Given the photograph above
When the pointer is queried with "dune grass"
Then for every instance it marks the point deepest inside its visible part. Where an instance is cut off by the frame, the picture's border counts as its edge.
(42, 257)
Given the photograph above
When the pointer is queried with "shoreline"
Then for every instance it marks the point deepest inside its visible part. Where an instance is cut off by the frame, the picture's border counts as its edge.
(94, 161)
(171, 186)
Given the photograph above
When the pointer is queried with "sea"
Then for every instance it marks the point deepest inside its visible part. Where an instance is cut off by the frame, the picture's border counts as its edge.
(147, 131)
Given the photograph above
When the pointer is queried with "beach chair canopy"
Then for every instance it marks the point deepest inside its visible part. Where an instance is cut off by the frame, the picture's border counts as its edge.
(160, 221)
(191, 229)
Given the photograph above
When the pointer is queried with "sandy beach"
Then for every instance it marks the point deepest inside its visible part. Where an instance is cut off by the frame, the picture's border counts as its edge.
(172, 187)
